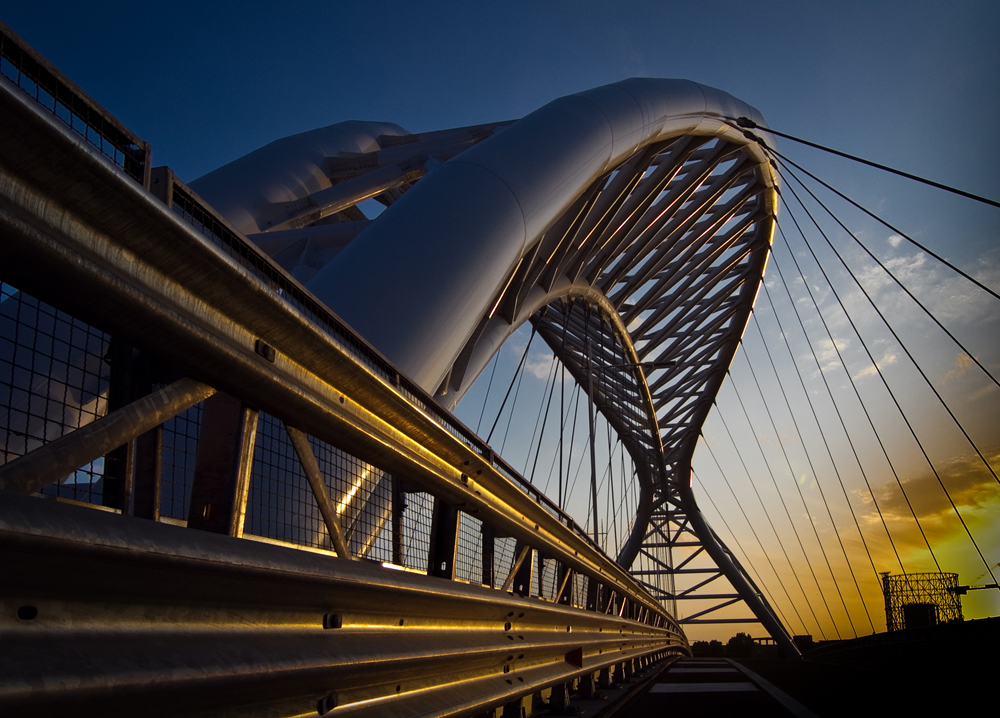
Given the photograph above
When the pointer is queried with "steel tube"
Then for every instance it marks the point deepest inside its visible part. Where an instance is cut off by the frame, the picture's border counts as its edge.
(523, 178)
(60, 458)
(308, 460)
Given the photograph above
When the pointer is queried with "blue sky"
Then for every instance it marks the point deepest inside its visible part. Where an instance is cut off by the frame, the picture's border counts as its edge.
(915, 85)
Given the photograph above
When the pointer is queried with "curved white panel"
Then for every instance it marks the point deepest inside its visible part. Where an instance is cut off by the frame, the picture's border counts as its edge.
(284, 170)
(416, 287)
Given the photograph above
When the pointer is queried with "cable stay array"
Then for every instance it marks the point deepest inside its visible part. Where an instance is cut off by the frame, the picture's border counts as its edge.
(804, 312)
(831, 435)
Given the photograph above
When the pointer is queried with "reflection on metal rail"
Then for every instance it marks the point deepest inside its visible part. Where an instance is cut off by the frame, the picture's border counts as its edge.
(170, 621)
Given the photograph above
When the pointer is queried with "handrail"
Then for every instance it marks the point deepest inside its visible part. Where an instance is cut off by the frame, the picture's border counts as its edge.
(40, 79)
(174, 621)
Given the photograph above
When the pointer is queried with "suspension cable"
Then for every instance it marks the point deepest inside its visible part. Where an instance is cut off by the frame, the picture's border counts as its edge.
(513, 405)
(893, 276)
(562, 397)
(881, 221)
(746, 556)
(871, 422)
(611, 493)
(843, 424)
(746, 122)
(513, 379)
(905, 419)
(759, 543)
(496, 360)
(900, 342)
(774, 482)
(761, 501)
(567, 489)
(550, 385)
(784, 452)
(822, 433)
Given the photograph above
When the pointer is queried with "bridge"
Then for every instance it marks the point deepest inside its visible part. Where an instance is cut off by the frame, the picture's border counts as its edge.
(251, 355)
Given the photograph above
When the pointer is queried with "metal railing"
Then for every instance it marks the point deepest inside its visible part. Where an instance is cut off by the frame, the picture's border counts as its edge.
(37, 77)
(278, 505)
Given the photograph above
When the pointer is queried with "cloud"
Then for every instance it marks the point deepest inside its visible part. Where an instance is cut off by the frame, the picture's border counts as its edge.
(962, 363)
(894, 240)
(539, 365)
(888, 358)
(949, 296)
(826, 352)
(970, 485)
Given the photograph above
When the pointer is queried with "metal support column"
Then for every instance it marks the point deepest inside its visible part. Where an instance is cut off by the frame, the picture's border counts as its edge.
(443, 541)
(124, 387)
(398, 507)
(222, 471)
(489, 552)
(559, 699)
(148, 467)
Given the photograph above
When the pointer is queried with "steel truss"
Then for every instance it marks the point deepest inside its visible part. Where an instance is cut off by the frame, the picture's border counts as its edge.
(658, 260)
(661, 260)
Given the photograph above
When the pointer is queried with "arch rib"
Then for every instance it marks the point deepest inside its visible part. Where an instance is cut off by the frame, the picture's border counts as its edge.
(638, 199)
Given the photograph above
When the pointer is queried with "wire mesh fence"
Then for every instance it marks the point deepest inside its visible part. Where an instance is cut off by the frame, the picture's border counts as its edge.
(416, 534)
(53, 379)
(55, 373)
(469, 553)
(180, 452)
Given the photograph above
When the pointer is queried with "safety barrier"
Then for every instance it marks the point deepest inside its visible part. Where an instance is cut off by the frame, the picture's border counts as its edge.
(407, 485)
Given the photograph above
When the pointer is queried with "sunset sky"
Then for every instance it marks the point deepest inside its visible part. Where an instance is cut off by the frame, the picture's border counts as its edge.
(913, 85)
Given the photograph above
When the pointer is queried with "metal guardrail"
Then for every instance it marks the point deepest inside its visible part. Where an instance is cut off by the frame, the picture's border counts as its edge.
(31, 72)
(58, 95)
(169, 621)
(199, 215)
(213, 328)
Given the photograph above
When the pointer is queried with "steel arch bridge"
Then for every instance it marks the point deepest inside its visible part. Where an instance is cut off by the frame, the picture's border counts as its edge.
(630, 224)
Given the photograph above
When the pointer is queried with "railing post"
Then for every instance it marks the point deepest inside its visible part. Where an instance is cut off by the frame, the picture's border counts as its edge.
(124, 386)
(489, 552)
(593, 594)
(559, 699)
(398, 507)
(222, 471)
(443, 541)
(148, 468)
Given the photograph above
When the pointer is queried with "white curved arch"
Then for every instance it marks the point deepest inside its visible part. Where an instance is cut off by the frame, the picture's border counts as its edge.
(677, 268)
(456, 237)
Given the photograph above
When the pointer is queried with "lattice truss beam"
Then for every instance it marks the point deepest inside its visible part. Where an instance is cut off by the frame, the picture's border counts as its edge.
(675, 240)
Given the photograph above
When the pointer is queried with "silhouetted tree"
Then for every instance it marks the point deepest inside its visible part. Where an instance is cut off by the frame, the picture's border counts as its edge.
(740, 646)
